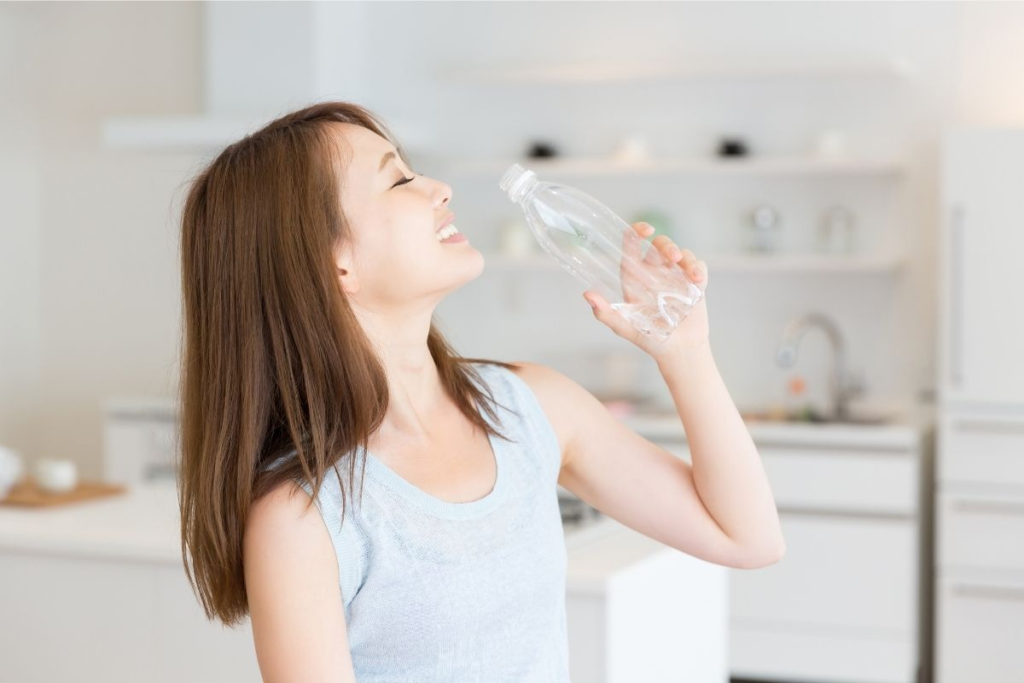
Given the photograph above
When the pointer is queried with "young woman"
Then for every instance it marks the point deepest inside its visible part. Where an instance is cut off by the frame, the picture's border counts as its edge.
(380, 507)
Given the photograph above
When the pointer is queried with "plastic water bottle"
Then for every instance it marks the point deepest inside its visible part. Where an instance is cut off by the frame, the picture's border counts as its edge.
(604, 252)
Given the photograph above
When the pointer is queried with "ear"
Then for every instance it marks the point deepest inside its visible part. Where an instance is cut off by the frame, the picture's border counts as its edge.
(346, 271)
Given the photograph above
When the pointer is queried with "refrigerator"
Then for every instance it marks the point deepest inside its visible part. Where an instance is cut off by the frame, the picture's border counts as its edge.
(979, 482)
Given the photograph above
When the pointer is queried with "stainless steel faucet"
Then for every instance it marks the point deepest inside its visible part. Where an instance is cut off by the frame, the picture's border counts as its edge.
(842, 386)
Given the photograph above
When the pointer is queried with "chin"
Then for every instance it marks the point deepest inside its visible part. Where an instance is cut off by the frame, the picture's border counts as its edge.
(470, 268)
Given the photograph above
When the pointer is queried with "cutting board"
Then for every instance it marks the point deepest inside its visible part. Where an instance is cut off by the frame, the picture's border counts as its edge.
(27, 493)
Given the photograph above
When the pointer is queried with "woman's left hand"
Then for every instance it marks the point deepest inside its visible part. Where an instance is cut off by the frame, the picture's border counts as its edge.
(691, 333)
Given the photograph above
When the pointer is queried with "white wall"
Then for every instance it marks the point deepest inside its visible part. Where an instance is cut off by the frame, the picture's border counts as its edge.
(20, 229)
(88, 254)
(90, 289)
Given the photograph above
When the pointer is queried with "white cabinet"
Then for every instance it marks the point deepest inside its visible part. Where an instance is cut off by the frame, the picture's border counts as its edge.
(979, 587)
(982, 339)
(93, 620)
(632, 601)
(847, 602)
(101, 583)
(981, 625)
(95, 592)
(980, 548)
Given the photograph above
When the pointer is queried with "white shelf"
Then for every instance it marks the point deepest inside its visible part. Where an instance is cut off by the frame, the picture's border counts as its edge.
(754, 166)
(183, 133)
(207, 132)
(733, 263)
(809, 68)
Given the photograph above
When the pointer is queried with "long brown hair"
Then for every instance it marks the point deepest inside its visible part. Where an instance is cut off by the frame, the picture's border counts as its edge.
(274, 362)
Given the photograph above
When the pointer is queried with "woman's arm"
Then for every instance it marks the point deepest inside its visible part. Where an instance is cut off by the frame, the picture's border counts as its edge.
(727, 468)
(723, 499)
(291, 578)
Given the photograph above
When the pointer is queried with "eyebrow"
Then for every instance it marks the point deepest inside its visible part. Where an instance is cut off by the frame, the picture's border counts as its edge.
(384, 160)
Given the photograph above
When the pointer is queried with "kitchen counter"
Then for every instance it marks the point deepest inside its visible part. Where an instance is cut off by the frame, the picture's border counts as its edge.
(142, 525)
(901, 432)
(106, 578)
(139, 525)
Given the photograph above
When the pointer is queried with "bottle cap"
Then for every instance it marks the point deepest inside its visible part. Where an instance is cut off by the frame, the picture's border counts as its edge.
(516, 180)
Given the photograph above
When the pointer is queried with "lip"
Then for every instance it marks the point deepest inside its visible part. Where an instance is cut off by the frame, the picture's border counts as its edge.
(446, 221)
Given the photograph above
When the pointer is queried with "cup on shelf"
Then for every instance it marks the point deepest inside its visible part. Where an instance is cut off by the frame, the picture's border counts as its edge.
(632, 149)
(516, 239)
(764, 226)
(837, 231)
(11, 469)
(56, 476)
(830, 144)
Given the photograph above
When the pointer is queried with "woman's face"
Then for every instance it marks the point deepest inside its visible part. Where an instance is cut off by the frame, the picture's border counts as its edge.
(396, 260)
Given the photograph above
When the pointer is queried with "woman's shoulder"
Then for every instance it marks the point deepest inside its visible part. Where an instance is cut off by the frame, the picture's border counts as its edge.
(554, 393)
(283, 518)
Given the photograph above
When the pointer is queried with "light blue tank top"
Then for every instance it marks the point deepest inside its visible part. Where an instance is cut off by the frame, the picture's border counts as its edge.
(458, 592)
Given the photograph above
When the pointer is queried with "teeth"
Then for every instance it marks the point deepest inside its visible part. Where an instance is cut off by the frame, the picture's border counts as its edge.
(446, 232)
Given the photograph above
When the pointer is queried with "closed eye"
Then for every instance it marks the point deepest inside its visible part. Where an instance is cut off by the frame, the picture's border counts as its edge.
(403, 181)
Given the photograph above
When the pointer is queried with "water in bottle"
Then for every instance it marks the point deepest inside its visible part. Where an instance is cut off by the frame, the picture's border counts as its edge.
(604, 253)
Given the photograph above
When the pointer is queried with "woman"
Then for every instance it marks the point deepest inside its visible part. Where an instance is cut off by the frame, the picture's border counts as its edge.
(311, 267)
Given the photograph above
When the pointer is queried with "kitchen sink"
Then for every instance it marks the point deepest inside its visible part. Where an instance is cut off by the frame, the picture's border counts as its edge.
(814, 417)
(809, 417)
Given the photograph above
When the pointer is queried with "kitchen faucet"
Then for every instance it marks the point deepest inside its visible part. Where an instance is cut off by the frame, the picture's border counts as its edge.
(842, 386)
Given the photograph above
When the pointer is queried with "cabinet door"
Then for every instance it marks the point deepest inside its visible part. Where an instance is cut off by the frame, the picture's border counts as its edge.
(854, 575)
(982, 334)
(984, 450)
(980, 630)
(76, 619)
(215, 653)
(981, 531)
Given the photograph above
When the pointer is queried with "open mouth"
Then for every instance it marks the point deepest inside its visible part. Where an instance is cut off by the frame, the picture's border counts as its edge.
(450, 233)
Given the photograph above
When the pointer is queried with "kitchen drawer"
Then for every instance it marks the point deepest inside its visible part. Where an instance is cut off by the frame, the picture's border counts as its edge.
(821, 655)
(811, 480)
(984, 450)
(854, 481)
(981, 530)
(857, 574)
(979, 630)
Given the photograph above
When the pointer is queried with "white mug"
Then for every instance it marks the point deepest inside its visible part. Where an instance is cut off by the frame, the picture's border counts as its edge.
(11, 468)
(632, 149)
(831, 144)
(56, 476)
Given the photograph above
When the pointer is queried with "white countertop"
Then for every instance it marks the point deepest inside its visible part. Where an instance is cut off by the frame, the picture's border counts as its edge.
(142, 525)
(901, 433)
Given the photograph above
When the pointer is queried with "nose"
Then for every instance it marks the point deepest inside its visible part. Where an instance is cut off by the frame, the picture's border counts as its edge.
(442, 194)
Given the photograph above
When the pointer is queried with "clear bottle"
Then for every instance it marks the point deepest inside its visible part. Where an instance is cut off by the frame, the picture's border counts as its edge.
(604, 253)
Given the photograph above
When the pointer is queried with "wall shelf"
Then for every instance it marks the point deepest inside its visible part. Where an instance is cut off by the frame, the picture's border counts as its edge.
(207, 132)
(182, 133)
(754, 166)
(798, 68)
(734, 263)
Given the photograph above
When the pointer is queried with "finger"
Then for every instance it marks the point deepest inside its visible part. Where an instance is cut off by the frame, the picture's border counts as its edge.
(700, 274)
(690, 264)
(646, 230)
(610, 317)
(643, 228)
(696, 269)
(668, 248)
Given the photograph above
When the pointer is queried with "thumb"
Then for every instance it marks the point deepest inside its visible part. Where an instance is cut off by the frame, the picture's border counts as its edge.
(610, 317)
